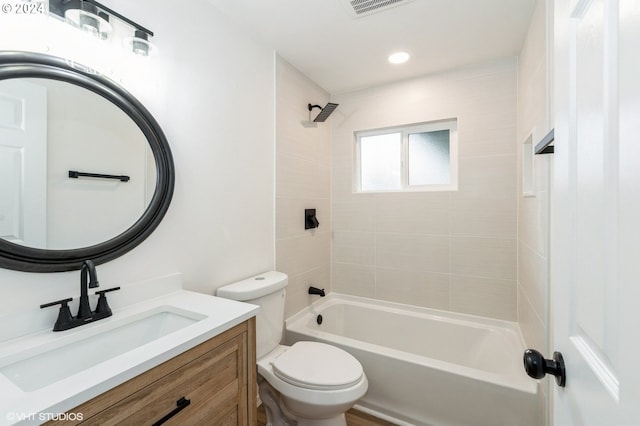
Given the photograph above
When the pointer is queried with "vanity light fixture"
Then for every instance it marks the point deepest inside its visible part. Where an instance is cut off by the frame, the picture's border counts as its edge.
(87, 17)
(93, 17)
(139, 43)
(399, 57)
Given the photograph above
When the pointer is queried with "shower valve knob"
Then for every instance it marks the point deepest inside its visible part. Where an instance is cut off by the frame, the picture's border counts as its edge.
(537, 366)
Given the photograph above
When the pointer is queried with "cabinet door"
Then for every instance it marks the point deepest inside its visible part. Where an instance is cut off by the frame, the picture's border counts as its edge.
(213, 383)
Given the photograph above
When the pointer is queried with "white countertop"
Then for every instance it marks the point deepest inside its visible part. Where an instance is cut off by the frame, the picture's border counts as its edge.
(35, 407)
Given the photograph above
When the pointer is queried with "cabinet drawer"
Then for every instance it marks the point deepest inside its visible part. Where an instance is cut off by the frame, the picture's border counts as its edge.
(211, 382)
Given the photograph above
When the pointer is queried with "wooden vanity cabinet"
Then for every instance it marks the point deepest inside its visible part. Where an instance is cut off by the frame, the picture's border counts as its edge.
(217, 378)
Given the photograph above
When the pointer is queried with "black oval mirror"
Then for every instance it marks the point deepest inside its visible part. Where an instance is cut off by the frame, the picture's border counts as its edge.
(115, 189)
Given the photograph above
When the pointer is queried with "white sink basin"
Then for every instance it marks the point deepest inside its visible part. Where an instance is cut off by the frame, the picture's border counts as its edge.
(44, 372)
(47, 363)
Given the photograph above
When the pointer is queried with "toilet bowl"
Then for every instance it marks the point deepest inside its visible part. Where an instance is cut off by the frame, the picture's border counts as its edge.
(308, 383)
(316, 383)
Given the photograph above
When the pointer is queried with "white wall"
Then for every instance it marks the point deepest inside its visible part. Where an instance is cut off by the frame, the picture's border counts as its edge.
(303, 157)
(212, 90)
(447, 250)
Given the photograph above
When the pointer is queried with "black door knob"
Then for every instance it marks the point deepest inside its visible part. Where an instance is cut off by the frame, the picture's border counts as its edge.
(537, 366)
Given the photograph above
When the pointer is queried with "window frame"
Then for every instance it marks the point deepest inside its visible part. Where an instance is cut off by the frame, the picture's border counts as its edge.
(450, 124)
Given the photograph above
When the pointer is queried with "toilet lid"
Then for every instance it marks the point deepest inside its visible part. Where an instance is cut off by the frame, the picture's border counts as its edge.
(314, 365)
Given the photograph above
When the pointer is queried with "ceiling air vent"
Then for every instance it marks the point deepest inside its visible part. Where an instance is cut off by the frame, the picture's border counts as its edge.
(359, 8)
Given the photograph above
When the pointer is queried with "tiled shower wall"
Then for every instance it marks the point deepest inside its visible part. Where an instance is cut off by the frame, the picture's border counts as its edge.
(303, 158)
(446, 250)
(535, 119)
(533, 209)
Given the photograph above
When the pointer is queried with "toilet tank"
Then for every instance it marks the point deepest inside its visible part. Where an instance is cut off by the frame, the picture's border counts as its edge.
(266, 290)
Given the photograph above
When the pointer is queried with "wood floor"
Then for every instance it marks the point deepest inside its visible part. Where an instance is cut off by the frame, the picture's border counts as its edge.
(354, 418)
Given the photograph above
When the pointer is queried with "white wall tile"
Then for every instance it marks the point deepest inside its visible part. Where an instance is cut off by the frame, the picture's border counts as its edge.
(481, 140)
(413, 252)
(418, 213)
(301, 254)
(342, 184)
(294, 93)
(533, 212)
(307, 143)
(473, 215)
(484, 296)
(413, 287)
(533, 221)
(416, 233)
(357, 280)
(488, 177)
(484, 257)
(534, 114)
(532, 326)
(354, 247)
(354, 214)
(303, 180)
(533, 278)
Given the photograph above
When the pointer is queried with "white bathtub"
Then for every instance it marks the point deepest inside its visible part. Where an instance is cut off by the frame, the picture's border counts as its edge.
(427, 367)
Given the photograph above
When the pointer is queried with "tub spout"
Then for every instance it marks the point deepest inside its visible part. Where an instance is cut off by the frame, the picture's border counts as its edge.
(314, 290)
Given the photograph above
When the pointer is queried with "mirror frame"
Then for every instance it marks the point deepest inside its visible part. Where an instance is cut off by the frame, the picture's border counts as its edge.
(29, 259)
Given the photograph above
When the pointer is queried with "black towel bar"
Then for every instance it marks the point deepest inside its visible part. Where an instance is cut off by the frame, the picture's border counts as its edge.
(75, 175)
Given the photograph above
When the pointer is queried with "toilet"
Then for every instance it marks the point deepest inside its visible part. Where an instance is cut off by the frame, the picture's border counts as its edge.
(308, 383)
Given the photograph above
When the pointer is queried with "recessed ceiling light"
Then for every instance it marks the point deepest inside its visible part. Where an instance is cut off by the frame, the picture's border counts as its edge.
(399, 57)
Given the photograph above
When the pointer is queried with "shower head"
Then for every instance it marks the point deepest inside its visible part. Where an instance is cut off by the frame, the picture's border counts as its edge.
(324, 113)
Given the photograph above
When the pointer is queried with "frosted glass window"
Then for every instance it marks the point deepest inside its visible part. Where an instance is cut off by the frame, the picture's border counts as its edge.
(381, 162)
(416, 157)
(429, 158)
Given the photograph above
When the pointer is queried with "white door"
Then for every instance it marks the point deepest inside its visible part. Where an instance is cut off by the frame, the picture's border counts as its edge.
(595, 234)
(23, 162)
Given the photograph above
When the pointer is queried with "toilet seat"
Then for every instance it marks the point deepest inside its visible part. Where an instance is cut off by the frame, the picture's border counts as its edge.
(314, 365)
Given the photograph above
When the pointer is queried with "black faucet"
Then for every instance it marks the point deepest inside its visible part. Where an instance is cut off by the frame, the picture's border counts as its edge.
(88, 268)
(314, 290)
(88, 279)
